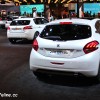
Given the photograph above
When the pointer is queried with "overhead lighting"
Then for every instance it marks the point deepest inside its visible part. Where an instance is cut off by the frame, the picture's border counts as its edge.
(34, 1)
(63, 1)
(19, 2)
(69, 1)
(16, 0)
(49, 1)
(25, 0)
(56, 1)
(41, 0)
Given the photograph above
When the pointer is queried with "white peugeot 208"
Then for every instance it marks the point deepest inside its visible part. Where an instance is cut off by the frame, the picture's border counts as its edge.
(67, 46)
(25, 28)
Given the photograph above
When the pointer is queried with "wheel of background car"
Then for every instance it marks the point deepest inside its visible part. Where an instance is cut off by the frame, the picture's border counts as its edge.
(13, 41)
(35, 35)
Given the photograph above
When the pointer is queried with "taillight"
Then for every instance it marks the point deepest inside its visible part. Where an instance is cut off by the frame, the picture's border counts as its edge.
(35, 45)
(27, 27)
(8, 28)
(90, 47)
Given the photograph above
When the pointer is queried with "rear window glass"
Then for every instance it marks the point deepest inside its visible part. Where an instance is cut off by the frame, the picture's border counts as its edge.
(20, 22)
(15, 17)
(66, 32)
(40, 21)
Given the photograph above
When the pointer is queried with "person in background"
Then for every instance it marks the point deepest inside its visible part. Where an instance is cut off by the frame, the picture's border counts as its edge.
(97, 26)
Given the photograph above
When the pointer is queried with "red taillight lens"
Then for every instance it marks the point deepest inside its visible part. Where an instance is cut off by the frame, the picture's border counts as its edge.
(35, 45)
(27, 27)
(8, 28)
(90, 47)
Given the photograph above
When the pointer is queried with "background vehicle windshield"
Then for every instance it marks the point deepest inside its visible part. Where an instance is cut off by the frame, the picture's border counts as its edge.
(20, 22)
(66, 32)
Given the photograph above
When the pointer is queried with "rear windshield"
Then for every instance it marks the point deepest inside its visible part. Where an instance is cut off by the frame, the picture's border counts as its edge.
(66, 32)
(20, 22)
(14, 17)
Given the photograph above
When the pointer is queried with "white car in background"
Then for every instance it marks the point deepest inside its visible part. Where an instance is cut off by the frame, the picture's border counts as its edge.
(68, 46)
(10, 18)
(25, 28)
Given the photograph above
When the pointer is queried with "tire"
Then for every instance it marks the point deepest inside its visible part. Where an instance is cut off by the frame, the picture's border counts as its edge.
(40, 76)
(98, 75)
(13, 41)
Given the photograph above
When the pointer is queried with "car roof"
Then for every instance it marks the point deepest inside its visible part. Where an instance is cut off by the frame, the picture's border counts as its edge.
(38, 17)
(28, 18)
(74, 20)
(24, 18)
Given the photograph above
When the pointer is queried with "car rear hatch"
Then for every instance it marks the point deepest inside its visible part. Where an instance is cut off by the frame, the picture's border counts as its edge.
(19, 26)
(65, 40)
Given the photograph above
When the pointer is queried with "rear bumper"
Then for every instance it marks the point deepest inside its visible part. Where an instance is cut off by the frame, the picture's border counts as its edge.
(20, 35)
(85, 65)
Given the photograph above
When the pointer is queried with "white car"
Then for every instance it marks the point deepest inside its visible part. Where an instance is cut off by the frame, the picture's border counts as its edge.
(69, 46)
(10, 18)
(25, 28)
